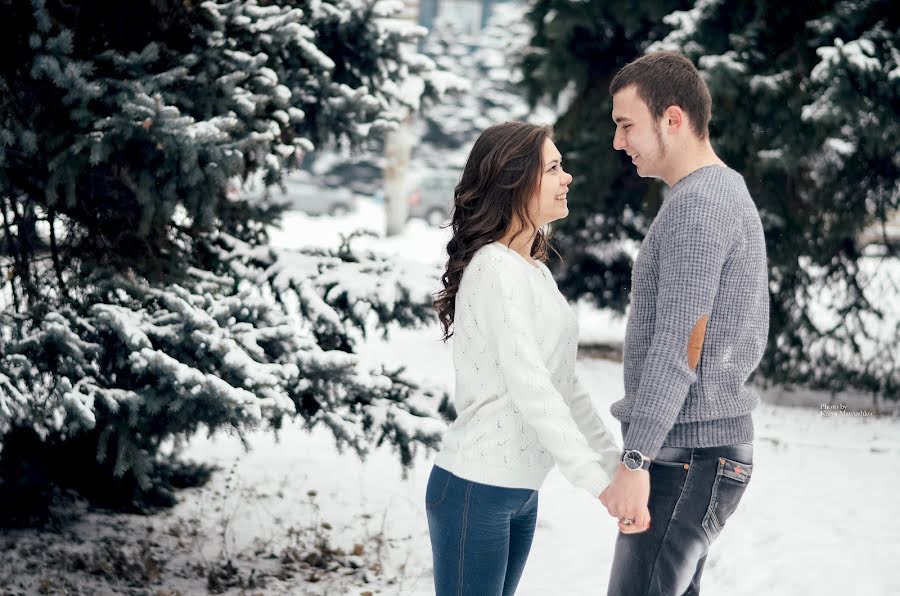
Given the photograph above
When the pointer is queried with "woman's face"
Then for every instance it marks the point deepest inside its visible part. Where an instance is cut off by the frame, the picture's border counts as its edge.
(550, 204)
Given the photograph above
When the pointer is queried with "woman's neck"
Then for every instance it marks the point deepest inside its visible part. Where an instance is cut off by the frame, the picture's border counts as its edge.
(521, 243)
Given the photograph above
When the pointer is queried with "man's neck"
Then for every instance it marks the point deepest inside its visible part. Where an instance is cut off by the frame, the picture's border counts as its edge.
(690, 159)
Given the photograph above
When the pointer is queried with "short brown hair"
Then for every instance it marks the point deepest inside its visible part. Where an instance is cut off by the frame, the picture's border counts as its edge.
(664, 79)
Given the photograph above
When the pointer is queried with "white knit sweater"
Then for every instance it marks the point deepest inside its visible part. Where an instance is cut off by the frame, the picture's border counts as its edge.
(520, 405)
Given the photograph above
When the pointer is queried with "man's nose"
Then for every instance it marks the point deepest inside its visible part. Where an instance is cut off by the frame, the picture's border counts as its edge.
(618, 141)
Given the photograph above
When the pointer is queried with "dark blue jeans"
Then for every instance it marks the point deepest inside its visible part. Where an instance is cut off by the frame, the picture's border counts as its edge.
(480, 534)
(693, 492)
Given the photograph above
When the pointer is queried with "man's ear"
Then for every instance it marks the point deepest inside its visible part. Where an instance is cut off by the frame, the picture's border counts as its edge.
(674, 117)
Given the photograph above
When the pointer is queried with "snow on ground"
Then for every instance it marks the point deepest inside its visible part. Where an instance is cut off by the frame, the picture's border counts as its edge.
(600, 327)
(419, 242)
(818, 518)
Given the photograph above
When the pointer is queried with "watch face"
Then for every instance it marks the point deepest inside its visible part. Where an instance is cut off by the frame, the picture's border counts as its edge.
(632, 460)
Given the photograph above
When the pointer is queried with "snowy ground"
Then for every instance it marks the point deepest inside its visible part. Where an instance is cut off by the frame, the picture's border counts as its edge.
(819, 517)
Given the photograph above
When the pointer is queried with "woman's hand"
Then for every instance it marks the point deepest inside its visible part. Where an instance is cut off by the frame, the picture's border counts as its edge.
(626, 498)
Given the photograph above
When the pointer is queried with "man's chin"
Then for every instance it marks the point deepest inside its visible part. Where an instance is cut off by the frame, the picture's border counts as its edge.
(645, 172)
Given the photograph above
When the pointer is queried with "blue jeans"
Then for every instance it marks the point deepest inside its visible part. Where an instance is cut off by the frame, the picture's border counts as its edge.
(693, 492)
(480, 534)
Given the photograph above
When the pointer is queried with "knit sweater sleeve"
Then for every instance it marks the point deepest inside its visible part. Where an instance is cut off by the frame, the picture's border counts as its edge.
(504, 310)
(693, 236)
(593, 428)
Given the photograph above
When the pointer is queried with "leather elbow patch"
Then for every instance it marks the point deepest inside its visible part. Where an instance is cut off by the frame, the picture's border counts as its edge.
(695, 343)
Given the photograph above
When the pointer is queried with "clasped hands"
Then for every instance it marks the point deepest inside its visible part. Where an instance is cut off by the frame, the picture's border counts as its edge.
(626, 498)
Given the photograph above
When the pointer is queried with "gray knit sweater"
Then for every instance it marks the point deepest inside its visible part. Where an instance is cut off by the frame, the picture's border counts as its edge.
(704, 255)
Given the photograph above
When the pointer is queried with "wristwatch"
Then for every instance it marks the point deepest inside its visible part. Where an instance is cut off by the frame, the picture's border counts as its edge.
(634, 460)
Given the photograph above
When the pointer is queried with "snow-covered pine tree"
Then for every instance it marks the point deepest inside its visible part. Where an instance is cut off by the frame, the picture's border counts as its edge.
(576, 49)
(486, 65)
(807, 107)
(139, 302)
(480, 84)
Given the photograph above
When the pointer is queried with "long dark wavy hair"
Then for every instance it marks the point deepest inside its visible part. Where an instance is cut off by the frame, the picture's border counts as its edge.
(502, 174)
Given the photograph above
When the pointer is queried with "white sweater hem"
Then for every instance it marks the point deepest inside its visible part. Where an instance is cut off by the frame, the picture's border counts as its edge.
(492, 474)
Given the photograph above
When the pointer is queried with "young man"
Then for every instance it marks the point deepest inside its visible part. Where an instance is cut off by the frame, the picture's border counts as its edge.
(696, 331)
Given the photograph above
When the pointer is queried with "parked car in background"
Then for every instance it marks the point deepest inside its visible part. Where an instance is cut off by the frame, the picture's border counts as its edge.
(429, 195)
(302, 192)
(315, 199)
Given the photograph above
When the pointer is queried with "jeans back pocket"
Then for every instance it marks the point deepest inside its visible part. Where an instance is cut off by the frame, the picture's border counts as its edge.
(728, 487)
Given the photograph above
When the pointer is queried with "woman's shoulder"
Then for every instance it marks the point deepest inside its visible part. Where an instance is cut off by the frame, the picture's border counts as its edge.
(495, 266)
(489, 255)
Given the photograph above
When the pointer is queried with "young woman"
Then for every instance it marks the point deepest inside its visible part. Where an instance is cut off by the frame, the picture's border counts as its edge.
(520, 406)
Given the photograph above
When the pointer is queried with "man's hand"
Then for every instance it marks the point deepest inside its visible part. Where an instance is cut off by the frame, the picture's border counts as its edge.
(626, 498)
